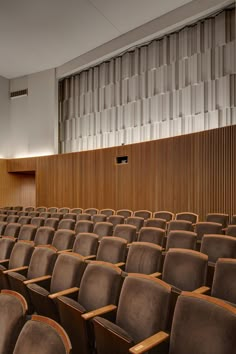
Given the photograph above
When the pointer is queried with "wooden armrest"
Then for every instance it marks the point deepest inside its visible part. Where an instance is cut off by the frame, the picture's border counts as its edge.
(202, 290)
(63, 293)
(15, 269)
(93, 256)
(156, 275)
(64, 251)
(99, 312)
(5, 261)
(149, 343)
(128, 244)
(37, 280)
(120, 264)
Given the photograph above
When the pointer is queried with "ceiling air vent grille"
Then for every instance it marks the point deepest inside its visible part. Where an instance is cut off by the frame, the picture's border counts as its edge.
(19, 93)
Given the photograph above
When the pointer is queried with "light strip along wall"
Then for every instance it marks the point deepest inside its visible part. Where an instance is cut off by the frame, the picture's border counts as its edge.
(182, 83)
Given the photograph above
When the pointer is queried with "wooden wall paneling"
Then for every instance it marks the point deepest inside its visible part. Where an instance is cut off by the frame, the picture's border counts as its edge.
(22, 165)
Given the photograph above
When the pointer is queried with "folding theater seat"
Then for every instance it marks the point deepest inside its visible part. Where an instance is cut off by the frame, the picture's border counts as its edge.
(135, 221)
(12, 218)
(52, 210)
(27, 232)
(52, 222)
(107, 212)
(187, 216)
(83, 216)
(145, 214)
(116, 220)
(218, 246)
(166, 215)
(6, 246)
(72, 216)
(181, 239)
(63, 239)
(98, 218)
(91, 211)
(222, 219)
(231, 230)
(86, 244)
(112, 250)
(66, 224)
(76, 210)
(124, 212)
(152, 235)
(83, 226)
(103, 229)
(41, 209)
(12, 229)
(180, 225)
(63, 210)
(33, 214)
(44, 236)
(38, 221)
(23, 220)
(155, 222)
(45, 214)
(128, 232)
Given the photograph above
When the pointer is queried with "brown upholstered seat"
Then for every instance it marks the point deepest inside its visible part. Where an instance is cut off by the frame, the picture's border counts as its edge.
(57, 215)
(42, 335)
(181, 239)
(222, 219)
(12, 212)
(154, 222)
(3, 217)
(135, 221)
(76, 210)
(152, 235)
(231, 230)
(44, 235)
(67, 273)
(143, 310)
(180, 225)
(20, 256)
(100, 286)
(3, 225)
(63, 210)
(224, 286)
(205, 228)
(24, 220)
(143, 258)
(41, 263)
(33, 214)
(187, 216)
(38, 221)
(52, 222)
(86, 244)
(52, 209)
(91, 211)
(103, 228)
(13, 309)
(72, 216)
(63, 239)
(98, 218)
(83, 226)
(107, 212)
(29, 208)
(66, 224)
(12, 218)
(128, 232)
(41, 209)
(116, 220)
(218, 246)
(12, 229)
(201, 325)
(233, 220)
(112, 250)
(83, 216)
(124, 212)
(18, 208)
(145, 214)
(166, 215)
(45, 214)
(27, 232)
(22, 213)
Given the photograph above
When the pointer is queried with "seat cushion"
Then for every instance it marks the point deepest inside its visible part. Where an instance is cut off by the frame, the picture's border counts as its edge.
(114, 328)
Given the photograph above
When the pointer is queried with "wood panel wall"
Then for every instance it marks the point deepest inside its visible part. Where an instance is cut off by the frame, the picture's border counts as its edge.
(16, 189)
(193, 172)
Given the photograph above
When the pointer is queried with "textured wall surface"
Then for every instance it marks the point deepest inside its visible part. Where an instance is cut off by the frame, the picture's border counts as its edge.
(182, 83)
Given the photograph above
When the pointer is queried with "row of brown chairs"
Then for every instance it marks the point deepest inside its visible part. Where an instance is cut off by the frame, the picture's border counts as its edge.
(143, 304)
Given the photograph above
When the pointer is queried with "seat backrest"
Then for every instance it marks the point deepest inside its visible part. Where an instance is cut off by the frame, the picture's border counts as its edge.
(67, 272)
(124, 212)
(21, 254)
(98, 218)
(83, 226)
(38, 221)
(44, 235)
(66, 224)
(205, 228)
(63, 239)
(166, 215)
(83, 216)
(3, 225)
(22, 213)
(23, 220)
(145, 214)
(52, 209)
(112, 250)
(42, 261)
(72, 216)
(231, 230)
(116, 220)
(143, 258)
(86, 244)
(148, 313)
(76, 210)
(233, 220)
(181, 239)
(224, 285)
(41, 209)
(100, 285)
(52, 222)
(218, 246)
(29, 208)
(64, 210)
(27, 232)
(12, 218)
(180, 225)
(128, 232)
(222, 219)
(103, 228)
(33, 214)
(136, 221)
(57, 215)
(13, 309)
(55, 339)
(12, 229)
(91, 211)
(107, 212)
(152, 235)
(185, 269)
(3, 217)
(187, 216)
(6, 246)
(155, 222)
(45, 214)
(202, 324)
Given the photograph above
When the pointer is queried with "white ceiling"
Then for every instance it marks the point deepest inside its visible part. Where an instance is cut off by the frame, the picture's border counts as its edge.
(37, 35)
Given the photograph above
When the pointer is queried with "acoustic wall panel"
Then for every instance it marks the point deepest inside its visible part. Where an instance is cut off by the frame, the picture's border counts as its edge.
(179, 84)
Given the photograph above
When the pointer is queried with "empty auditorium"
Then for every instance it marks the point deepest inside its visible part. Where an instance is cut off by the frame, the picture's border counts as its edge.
(118, 177)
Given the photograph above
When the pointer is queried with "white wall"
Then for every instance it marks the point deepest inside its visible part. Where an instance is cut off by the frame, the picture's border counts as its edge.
(33, 118)
(4, 116)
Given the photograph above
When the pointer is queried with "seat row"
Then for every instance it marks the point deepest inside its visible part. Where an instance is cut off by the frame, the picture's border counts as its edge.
(95, 303)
